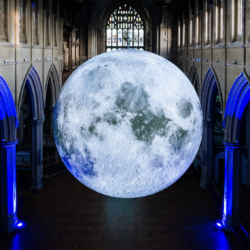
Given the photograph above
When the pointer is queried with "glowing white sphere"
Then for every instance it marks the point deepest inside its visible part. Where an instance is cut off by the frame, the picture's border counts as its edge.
(128, 123)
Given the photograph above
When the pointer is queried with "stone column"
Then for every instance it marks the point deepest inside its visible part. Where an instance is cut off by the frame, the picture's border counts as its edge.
(77, 54)
(36, 154)
(73, 53)
(248, 144)
(8, 186)
(232, 186)
(20, 130)
(207, 154)
(92, 41)
(70, 52)
(51, 112)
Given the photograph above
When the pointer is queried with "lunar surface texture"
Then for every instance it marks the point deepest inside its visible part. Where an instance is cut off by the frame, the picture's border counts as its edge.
(128, 123)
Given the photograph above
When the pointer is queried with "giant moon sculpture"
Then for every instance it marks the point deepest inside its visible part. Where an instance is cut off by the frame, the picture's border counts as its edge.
(128, 123)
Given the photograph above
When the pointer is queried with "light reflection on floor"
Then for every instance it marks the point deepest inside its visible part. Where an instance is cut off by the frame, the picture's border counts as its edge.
(67, 215)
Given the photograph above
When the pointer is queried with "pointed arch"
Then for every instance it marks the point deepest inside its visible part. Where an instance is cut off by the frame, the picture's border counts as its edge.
(194, 79)
(8, 116)
(168, 19)
(209, 89)
(33, 87)
(238, 99)
(147, 9)
(53, 78)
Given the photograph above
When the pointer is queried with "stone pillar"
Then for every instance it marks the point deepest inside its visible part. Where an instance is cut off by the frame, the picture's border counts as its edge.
(51, 112)
(77, 54)
(207, 154)
(92, 41)
(36, 154)
(20, 130)
(8, 186)
(70, 52)
(73, 51)
(232, 186)
(248, 144)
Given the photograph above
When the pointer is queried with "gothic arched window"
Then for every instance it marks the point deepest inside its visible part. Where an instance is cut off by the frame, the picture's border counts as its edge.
(125, 27)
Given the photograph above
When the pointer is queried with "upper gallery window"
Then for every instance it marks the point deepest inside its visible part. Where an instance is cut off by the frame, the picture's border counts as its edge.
(197, 31)
(125, 27)
(206, 27)
(221, 22)
(191, 33)
(3, 20)
(22, 21)
(239, 17)
(179, 35)
(236, 19)
(47, 26)
(55, 30)
(183, 35)
(35, 22)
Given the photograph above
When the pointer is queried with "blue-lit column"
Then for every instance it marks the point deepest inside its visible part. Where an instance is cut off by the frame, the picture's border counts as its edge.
(207, 154)
(248, 144)
(36, 154)
(8, 186)
(232, 185)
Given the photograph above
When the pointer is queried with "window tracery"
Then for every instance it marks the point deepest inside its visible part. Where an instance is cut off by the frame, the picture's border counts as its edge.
(125, 27)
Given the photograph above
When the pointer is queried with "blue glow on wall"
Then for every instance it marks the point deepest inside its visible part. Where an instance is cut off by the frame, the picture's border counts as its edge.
(238, 99)
(8, 125)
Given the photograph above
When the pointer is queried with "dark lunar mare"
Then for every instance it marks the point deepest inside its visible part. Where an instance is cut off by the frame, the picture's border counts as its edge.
(87, 164)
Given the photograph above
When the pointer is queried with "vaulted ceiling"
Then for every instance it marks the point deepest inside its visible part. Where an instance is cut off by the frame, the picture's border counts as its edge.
(176, 7)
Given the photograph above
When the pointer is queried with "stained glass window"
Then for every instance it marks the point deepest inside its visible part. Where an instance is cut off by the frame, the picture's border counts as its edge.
(125, 28)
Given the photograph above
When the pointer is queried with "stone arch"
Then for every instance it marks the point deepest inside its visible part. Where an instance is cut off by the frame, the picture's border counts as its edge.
(235, 117)
(212, 125)
(238, 99)
(8, 116)
(209, 88)
(53, 78)
(194, 79)
(8, 126)
(167, 19)
(33, 88)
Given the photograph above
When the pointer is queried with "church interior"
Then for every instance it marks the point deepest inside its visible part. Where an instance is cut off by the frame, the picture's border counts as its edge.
(42, 206)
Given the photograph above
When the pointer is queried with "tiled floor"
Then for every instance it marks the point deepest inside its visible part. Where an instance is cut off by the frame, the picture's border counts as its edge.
(68, 215)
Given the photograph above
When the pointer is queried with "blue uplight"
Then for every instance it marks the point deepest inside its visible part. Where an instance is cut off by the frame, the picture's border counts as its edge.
(20, 224)
(218, 224)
